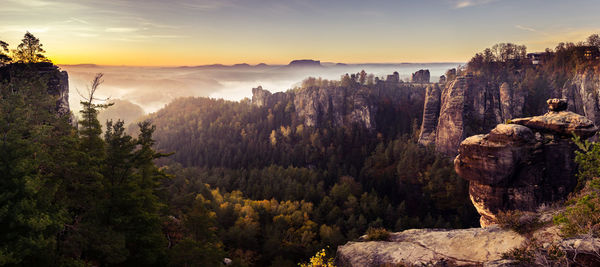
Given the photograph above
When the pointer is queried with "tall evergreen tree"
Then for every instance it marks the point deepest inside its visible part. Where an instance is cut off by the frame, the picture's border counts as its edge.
(33, 141)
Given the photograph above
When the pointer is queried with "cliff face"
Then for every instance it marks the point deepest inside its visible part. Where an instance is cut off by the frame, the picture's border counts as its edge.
(522, 165)
(583, 94)
(342, 106)
(472, 105)
(469, 105)
(57, 80)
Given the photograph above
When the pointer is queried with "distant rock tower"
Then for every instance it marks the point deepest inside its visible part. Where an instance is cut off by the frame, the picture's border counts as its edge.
(421, 76)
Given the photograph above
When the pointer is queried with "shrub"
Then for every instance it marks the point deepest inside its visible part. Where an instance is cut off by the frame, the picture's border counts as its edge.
(378, 234)
(588, 161)
(532, 253)
(518, 221)
(319, 260)
(582, 214)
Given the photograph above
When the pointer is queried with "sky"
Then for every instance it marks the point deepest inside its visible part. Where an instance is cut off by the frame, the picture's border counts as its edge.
(199, 32)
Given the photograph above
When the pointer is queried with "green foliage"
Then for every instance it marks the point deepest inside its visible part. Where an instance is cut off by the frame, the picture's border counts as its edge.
(588, 161)
(582, 215)
(31, 147)
(378, 234)
(72, 198)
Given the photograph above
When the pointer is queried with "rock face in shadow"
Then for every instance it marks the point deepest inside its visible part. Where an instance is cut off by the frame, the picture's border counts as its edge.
(521, 165)
(57, 80)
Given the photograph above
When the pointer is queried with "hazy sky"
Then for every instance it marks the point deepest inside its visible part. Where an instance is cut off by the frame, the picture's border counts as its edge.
(196, 32)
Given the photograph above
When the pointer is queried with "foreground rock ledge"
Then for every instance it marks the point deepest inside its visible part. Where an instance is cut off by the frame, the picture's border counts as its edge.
(417, 247)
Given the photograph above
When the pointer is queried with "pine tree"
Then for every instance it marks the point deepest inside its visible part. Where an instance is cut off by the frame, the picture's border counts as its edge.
(31, 214)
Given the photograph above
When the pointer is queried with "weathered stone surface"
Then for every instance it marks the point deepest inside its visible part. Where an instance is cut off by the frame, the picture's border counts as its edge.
(521, 166)
(461, 247)
(563, 123)
(583, 94)
(450, 127)
(491, 159)
(430, 115)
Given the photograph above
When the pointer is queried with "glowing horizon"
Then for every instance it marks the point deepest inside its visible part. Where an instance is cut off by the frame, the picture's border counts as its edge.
(205, 32)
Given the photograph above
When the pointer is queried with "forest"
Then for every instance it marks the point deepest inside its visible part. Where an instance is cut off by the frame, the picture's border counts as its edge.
(334, 182)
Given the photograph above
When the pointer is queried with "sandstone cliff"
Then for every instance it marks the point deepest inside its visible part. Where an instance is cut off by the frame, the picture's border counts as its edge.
(583, 94)
(344, 106)
(471, 104)
(431, 111)
(521, 165)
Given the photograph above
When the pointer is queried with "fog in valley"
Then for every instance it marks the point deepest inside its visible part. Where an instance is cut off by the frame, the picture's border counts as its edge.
(153, 87)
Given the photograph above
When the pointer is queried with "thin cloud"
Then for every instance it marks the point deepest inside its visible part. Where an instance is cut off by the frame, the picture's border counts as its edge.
(525, 28)
(208, 5)
(78, 20)
(530, 29)
(121, 30)
(469, 3)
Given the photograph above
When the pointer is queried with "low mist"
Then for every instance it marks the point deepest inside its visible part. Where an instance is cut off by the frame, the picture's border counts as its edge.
(153, 87)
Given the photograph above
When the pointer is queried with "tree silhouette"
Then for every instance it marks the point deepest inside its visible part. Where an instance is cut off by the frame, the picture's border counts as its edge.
(30, 50)
(4, 58)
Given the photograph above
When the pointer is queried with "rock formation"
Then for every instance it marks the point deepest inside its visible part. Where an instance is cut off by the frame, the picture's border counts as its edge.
(393, 78)
(524, 164)
(431, 111)
(343, 106)
(57, 81)
(421, 76)
(470, 105)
